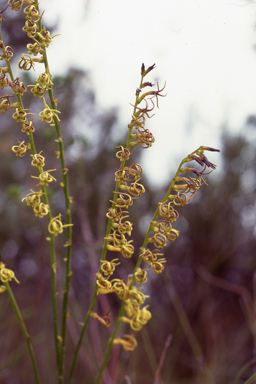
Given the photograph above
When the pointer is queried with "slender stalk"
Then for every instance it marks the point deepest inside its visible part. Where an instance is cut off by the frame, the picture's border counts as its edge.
(186, 326)
(243, 369)
(103, 257)
(93, 302)
(161, 362)
(52, 239)
(92, 305)
(68, 245)
(251, 380)
(145, 243)
(118, 323)
(110, 344)
(24, 330)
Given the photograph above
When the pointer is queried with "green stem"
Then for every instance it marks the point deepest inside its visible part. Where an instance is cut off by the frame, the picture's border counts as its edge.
(103, 257)
(24, 330)
(93, 302)
(118, 323)
(145, 243)
(110, 344)
(52, 239)
(92, 305)
(251, 380)
(68, 245)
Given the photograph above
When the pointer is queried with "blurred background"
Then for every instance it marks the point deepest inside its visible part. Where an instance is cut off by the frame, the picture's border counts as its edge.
(205, 298)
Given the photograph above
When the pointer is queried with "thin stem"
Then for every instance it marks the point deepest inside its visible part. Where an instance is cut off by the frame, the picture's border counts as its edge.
(93, 302)
(52, 239)
(145, 243)
(243, 369)
(92, 305)
(68, 245)
(204, 371)
(110, 344)
(186, 326)
(194, 344)
(161, 362)
(251, 380)
(24, 330)
(103, 257)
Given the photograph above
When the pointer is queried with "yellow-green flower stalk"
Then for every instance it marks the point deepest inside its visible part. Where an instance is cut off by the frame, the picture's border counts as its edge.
(6, 276)
(41, 39)
(134, 311)
(21, 116)
(160, 231)
(128, 189)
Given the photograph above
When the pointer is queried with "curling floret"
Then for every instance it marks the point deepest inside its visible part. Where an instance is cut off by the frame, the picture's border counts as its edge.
(38, 160)
(32, 13)
(124, 200)
(149, 256)
(104, 320)
(158, 266)
(121, 289)
(34, 49)
(123, 227)
(127, 249)
(45, 80)
(4, 81)
(55, 226)
(33, 199)
(6, 275)
(104, 285)
(48, 114)
(5, 104)
(166, 210)
(16, 5)
(20, 115)
(38, 90)
(21, 149)
(123, 154)
(7, 52)
(30, 28)
(41, 210)
(129, 343)
(45, 177)
(141, 276)
(137, 297)
(27, 127)
(141, 317)
(108, 267)
(45, 37)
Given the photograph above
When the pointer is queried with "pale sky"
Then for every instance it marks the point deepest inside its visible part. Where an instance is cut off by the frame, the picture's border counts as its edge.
(203, 49)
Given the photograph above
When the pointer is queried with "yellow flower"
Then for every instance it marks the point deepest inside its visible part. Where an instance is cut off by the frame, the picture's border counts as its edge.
(6, 274)
(48, 114)
(55, 226)
(129, 343)
(45, 177)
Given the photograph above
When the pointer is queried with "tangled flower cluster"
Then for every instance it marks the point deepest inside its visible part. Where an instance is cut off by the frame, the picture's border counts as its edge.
(142, 136)
(6, 275)
(41, 40)
(127, 178)
(33, 199)
(129, 188)
(181, 191)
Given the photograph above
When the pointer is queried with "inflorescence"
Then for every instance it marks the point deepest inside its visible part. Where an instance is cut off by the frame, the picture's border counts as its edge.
(185, 184)
(128, 189)
(41, 39)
